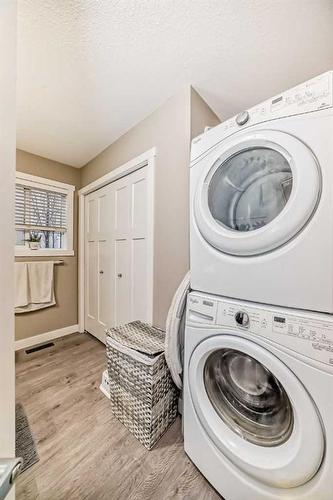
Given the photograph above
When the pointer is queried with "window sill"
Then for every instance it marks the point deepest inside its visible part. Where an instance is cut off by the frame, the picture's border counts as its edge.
(27, 252)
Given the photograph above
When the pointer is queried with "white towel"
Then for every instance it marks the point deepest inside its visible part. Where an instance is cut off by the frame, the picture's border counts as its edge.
(34, 286)
(21, 284)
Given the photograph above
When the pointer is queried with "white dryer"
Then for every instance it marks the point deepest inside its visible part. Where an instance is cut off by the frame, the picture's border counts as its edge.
(258, 399)
(262, 202)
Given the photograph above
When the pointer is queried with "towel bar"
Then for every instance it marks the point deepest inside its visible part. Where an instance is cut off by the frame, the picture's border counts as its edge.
(29, 261)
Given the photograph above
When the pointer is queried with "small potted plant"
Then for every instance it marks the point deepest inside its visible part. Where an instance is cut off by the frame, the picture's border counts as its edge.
(34, 240)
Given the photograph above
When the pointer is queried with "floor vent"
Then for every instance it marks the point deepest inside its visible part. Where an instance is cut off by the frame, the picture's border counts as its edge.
(39, 347)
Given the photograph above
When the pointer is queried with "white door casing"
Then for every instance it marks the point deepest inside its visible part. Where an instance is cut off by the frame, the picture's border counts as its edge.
(122, 247)
(301, 204)
(285, 466)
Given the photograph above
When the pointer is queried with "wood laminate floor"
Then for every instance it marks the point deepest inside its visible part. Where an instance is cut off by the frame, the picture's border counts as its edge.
(85, 453)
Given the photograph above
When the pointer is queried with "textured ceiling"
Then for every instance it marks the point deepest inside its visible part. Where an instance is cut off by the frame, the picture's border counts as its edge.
(90, 69)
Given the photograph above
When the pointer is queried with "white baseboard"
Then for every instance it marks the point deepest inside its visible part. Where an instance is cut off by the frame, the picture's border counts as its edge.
(45, 337)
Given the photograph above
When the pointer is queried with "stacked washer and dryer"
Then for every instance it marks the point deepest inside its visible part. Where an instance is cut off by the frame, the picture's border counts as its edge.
(258, 366)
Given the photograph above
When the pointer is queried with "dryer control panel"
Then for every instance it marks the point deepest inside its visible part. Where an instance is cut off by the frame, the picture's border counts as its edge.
(309, 334)
(313, 95)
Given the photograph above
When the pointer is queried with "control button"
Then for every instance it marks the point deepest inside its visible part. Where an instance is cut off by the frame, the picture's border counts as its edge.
(242, 118)
(242, 318)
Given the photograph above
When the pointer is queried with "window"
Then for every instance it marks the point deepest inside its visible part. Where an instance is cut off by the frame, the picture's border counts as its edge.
(43, 216)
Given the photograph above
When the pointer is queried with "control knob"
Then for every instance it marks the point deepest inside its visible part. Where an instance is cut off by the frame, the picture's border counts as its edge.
(242, 118)
(242, 318)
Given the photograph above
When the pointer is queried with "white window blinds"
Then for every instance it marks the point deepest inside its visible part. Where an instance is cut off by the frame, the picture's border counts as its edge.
(40, 209)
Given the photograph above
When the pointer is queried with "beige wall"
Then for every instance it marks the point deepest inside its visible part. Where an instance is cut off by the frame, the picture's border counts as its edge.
(169, 129)
(201, 115)
(65, 312)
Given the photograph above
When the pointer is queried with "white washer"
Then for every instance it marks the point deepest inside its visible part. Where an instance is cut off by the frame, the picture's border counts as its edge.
(262, 202)
(258, 399)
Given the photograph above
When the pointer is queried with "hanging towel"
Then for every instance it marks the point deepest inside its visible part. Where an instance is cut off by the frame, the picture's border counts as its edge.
(21, 284)
(34, 286)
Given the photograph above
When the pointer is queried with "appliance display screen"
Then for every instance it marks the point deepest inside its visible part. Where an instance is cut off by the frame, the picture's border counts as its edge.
(278, 99)
(279, 319)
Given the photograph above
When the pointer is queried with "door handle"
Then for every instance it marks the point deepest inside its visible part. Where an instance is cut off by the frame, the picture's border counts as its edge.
(119, 275)
(101, 272)
(9, 470)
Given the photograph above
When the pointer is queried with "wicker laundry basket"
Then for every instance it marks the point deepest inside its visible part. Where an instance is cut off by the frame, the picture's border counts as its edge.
(142, 393)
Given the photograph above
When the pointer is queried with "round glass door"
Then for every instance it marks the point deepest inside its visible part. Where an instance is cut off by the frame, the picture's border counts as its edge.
(255, 410)
(256, 192)
(248, 190)
(248, 397)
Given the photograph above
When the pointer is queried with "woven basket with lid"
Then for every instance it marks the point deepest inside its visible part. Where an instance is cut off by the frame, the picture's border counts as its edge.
(142, 393)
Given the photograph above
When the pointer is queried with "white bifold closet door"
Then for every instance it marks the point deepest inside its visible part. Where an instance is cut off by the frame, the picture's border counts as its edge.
(117, 254)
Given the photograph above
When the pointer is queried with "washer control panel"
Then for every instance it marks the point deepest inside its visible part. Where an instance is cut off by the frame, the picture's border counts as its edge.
(310, 334)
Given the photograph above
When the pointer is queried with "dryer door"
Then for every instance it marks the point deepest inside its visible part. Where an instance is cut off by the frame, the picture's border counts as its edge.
(256, 192)
(256, 411)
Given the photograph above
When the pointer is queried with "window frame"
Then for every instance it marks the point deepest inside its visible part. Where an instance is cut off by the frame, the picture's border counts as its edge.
(60, 187)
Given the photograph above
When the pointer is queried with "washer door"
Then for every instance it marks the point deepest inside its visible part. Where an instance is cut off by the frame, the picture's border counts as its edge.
(256, 411)
(257, 193)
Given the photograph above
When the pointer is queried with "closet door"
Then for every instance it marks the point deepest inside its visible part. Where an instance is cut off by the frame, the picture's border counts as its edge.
(117, 254)
(99, 270)
(121, 247)
(131, 251)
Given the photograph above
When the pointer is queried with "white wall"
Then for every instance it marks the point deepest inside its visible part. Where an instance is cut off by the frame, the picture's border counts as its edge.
(7, 179)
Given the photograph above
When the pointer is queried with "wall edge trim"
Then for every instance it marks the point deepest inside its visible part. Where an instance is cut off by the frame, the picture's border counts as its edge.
(45, 337)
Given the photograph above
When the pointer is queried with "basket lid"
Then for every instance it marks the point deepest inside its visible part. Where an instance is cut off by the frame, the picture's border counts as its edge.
(139, 336)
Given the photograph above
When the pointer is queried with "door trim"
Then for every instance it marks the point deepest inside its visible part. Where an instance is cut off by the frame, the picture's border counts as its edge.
(145, 159)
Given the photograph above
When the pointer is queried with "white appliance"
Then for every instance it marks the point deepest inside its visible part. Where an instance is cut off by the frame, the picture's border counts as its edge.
(258, 399)
(262, 202)
(105, 384)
